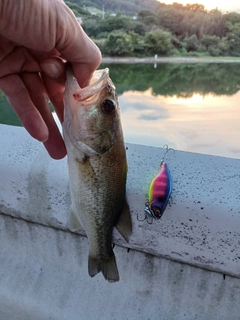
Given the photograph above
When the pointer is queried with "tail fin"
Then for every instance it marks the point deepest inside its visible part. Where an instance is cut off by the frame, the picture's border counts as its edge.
(107, 266)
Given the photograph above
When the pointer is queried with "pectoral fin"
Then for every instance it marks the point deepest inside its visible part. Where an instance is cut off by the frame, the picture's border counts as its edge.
(73, 221)
(124, 224)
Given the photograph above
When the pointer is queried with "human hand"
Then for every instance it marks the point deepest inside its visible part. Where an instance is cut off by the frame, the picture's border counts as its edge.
(37, 37)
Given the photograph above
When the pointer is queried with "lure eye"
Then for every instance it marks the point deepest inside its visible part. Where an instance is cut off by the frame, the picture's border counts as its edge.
(157, 213)
(108, 106)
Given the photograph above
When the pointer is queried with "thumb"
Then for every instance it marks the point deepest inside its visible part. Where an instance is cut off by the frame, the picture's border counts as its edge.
(53, 67)
(76, 47)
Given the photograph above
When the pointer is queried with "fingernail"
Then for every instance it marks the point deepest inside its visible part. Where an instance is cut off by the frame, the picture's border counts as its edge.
(50, 69)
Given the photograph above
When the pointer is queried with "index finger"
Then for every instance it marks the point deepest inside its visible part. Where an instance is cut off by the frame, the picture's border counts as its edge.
(19, 98)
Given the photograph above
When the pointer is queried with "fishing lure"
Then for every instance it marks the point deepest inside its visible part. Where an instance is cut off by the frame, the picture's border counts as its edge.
(159, 191)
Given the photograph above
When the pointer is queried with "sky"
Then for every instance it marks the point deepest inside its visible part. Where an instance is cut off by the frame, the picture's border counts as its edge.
(222, 5)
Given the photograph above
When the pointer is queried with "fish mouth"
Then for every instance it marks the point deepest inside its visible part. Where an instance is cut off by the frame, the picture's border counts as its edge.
(98, 82)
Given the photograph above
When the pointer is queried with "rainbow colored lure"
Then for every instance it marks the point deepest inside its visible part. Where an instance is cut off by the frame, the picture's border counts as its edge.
(159, 191)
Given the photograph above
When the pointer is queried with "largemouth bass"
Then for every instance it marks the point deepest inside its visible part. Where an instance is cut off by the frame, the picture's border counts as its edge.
(97, 168)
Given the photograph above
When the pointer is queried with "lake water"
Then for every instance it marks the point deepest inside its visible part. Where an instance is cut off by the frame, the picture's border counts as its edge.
(190, 107)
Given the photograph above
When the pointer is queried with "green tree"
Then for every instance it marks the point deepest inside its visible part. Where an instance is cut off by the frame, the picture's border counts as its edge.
(158, 42)
(216, 23)
(223, 45)
(139, 46)
(108, 25)
(138, 27)
(208, 40)
(147, 17)
(232, 17)
(114, 23)
(118, 43)
(170, 18)
(233, 37)
(191, 43)
(212, 44)
(78, 10)
(144, 14)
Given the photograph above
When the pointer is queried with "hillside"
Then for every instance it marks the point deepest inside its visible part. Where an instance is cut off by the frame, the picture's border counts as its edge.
(152, 27)
(125, 7)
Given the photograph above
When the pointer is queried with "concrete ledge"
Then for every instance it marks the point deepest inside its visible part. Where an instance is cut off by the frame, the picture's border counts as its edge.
(43, 272)
(43, 276)
(199, 227)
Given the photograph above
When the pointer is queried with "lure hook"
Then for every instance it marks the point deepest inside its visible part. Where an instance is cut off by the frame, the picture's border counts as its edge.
(164, 155)
(141, 220)
(147, 217)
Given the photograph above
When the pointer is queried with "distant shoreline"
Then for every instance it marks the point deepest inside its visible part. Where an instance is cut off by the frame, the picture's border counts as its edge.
(171, 60)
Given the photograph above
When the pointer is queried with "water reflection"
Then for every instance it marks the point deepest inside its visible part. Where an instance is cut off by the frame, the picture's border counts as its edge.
(178, 79)
(204, 124)
(191, 107)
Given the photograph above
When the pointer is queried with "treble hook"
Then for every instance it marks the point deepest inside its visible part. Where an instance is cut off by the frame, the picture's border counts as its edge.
(141, 220)
(146, 217)
(164, 155)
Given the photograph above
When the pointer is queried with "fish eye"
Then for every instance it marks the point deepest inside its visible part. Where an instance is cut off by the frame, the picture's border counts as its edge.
(108, 106)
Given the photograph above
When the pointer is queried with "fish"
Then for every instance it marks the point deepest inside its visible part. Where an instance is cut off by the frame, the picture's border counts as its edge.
(97, 168)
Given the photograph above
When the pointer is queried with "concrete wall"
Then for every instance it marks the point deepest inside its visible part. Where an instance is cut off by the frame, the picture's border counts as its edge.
(165, 275)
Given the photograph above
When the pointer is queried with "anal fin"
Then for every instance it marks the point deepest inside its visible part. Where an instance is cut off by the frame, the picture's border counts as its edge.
(124, 224)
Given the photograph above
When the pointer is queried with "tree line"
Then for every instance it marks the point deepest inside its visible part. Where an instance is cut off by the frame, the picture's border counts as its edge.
(169, 30)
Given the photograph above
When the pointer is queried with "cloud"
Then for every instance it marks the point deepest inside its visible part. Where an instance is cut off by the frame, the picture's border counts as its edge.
(153, 115)
(146, 105)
